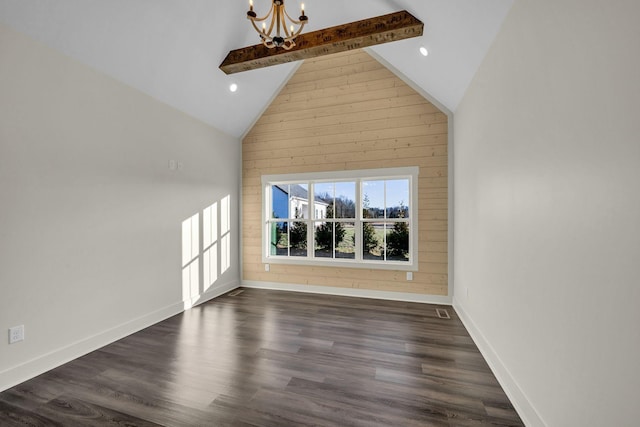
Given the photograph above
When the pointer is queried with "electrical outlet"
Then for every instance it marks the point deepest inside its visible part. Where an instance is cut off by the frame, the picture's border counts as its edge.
(409, 275)
(16, 334)
(266, 267)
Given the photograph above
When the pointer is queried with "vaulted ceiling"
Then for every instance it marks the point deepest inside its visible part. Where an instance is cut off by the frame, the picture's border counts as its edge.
(171, 49)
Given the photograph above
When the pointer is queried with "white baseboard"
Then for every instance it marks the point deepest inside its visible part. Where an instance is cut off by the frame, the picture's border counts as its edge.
(211, 294)
(350, 292)
(41, 364)
(521, 403)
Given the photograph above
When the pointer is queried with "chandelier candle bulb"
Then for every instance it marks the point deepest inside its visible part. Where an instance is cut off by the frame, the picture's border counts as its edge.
(251, 14)
(279, 21)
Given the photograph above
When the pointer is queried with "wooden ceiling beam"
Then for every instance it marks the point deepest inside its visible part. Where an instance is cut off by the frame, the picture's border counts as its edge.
(355, 35)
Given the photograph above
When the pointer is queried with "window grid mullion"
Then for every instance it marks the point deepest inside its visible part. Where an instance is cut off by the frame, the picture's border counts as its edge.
(357, 224)
(311, 226)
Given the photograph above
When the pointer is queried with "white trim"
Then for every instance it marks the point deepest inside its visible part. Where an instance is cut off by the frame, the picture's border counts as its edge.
(410, 173)
(349, 292)
(210, 294)
(521, 403)
(450, 151)
(240, 210)
(341, 263)
(41, 364)
(451, 206)
(341, 175)
(38, 365)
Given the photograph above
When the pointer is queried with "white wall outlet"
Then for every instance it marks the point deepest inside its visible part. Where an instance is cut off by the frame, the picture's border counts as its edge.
(173, 165)
(266, 267)
(16, 334)
(180, 165)
(409, 275)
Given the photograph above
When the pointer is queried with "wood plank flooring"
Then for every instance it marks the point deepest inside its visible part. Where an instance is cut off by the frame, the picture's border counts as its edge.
(269, 358)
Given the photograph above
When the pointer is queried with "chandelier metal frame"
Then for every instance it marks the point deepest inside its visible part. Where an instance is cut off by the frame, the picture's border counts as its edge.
(284, 37)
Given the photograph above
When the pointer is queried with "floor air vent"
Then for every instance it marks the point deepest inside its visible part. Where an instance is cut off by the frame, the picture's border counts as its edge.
(442, 313)
(236, 292)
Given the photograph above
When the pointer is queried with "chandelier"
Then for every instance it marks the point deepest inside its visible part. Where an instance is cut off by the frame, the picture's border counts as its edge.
(278, 19)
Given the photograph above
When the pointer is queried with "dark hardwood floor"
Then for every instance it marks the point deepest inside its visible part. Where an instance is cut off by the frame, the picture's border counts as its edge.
(267, 358)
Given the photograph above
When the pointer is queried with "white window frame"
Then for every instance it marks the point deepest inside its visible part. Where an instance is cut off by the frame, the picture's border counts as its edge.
(410, 173)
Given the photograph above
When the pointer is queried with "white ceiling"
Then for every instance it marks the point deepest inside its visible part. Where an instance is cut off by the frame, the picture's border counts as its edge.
(171, 49)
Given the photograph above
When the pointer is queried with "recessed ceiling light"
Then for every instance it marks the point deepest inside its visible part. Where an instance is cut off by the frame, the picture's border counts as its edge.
(424, 51)
(233, 87)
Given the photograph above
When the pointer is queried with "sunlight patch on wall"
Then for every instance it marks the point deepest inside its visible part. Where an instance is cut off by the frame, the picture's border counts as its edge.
(210, 266)
(225, 232)
(210, 245)
(190, 259)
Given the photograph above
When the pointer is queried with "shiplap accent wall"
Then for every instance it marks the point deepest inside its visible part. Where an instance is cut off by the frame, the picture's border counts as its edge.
(345, 112)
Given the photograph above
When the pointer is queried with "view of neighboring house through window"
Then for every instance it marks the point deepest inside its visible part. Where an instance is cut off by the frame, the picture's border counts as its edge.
(287, 227)
(356, 219)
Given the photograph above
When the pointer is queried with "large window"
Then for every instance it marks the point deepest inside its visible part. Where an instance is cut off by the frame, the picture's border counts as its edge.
(365, 218)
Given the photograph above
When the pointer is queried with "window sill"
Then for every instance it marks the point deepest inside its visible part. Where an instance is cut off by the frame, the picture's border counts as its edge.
(337, 263)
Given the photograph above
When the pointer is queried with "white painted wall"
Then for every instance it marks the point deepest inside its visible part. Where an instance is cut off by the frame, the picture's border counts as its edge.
(547, 218)
(91, 216)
